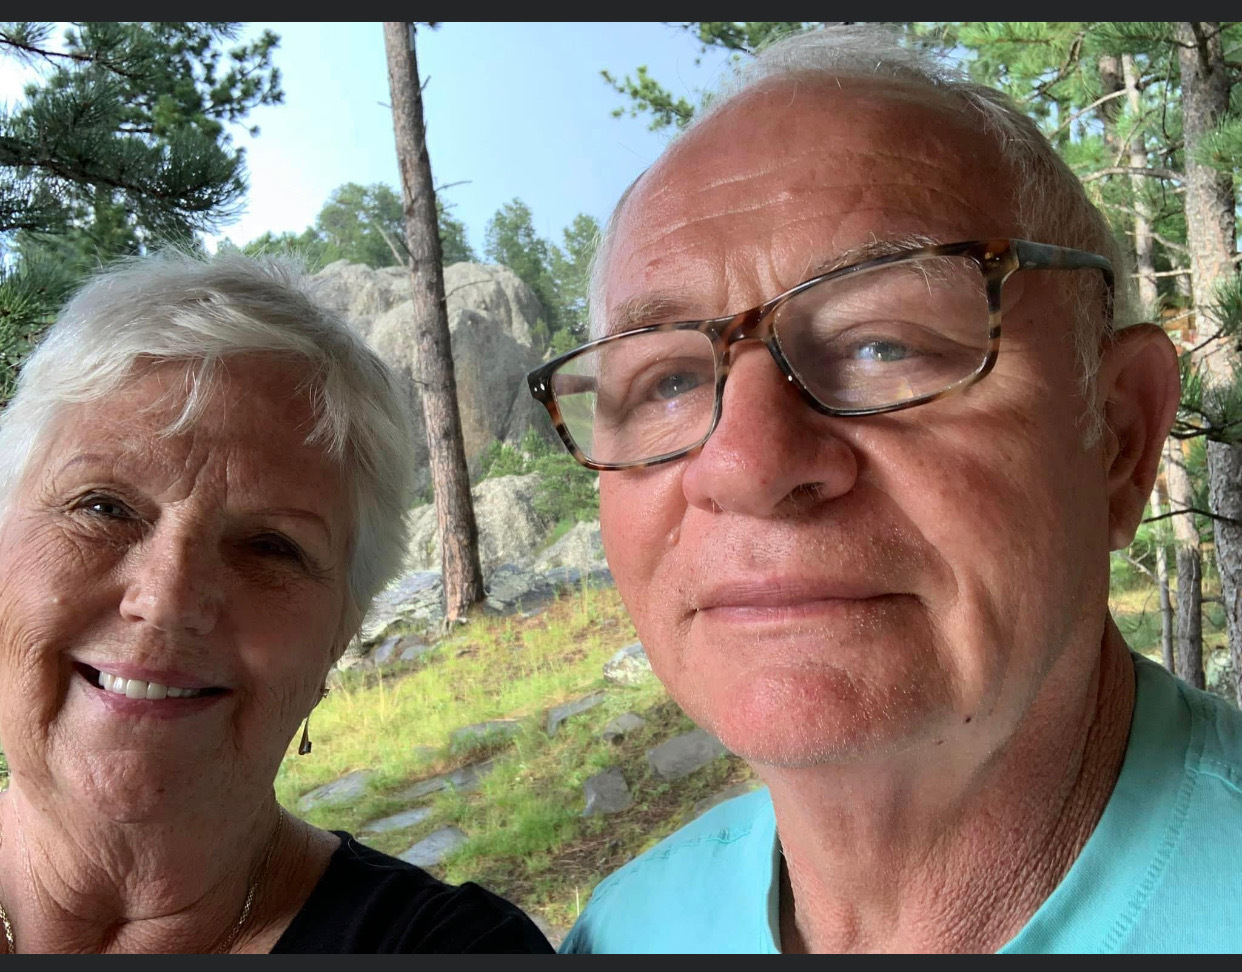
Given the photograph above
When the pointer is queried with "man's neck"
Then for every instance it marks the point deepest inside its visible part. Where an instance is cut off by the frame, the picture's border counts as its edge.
(915, 863)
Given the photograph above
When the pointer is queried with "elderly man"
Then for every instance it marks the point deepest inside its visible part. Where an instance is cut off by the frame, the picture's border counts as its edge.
(896, 615)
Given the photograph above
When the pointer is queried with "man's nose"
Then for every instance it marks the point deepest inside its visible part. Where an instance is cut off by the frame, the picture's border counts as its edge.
(771, 452)
(175, 584)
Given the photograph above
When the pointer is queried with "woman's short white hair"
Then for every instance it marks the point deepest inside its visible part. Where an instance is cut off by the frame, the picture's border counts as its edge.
(1048, 200)
(176, 307)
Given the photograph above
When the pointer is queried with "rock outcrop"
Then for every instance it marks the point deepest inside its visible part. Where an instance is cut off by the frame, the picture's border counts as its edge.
(510, 529)
(492, 316)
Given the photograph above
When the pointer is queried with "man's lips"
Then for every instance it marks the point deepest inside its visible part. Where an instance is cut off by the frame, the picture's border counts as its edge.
(774, 594)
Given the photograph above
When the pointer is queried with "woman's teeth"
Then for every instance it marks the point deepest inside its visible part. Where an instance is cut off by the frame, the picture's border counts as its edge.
(136, 688)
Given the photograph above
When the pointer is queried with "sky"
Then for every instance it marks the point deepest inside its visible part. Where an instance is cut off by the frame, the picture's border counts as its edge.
(512, 110)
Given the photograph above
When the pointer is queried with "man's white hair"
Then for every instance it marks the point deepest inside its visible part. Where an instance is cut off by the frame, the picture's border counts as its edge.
(175, 307)
(1048, 201)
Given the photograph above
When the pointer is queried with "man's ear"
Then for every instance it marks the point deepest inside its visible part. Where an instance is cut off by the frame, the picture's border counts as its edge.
(1140, 387)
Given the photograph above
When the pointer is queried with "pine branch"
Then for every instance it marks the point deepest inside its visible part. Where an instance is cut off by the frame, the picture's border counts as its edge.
(1152, 172)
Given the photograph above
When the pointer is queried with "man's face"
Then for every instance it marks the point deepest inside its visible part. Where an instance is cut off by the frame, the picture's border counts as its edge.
(813, 588)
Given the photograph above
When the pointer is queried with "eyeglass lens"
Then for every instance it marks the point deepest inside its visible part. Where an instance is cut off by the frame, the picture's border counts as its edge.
(864, 340)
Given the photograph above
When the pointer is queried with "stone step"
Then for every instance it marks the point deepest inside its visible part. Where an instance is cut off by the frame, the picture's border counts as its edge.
(433, 848)
(398, 821)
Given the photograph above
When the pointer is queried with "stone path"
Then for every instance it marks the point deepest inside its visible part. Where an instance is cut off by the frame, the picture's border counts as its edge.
(432, 849)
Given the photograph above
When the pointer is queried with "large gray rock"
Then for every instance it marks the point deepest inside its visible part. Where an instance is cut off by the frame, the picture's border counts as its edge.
(434, 848)
(360, 294)
(513, 587)
(398, 821)
(559, 713)
(509, 528)
(580, 547)
(491, 316)
(629, 666)
(415, 598)
(346, 789)
(606, 792)
(684, 754)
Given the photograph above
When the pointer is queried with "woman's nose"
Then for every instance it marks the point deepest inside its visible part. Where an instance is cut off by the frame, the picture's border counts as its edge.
(175, 584)
(770, 451)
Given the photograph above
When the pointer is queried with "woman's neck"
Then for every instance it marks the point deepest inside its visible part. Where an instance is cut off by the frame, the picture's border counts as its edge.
(174, 886)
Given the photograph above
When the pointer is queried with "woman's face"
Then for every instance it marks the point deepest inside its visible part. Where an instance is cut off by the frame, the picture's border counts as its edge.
(201, 576)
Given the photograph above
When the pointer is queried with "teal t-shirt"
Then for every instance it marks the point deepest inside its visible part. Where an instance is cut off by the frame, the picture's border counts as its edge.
(1162, 871)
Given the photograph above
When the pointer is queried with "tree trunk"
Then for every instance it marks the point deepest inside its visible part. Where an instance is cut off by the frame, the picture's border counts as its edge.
(1144, 262)
(1224, 475)
(463, 577)
(1162, 586)
(1210, 235)
(1189, 568)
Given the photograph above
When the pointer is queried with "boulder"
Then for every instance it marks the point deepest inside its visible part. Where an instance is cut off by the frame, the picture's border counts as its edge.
(513, 587)
(559, 713)
(340, 791)
(606, 792)
(684, 754)
(415, 598)
(491, 316)
(1218, 672)
(360, 294)
(580, 547)
(434, 848)
(509, 528)
(622, 726)
(385, 651)
(629, 666)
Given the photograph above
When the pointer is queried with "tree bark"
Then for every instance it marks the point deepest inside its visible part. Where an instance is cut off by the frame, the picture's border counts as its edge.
(1224, 475)
(463, 577)
(1144, 262)
(1162, 586)
(1211, 235)
(1189, 568)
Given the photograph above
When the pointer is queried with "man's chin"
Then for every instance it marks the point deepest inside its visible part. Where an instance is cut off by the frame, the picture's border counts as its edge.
(805, 718)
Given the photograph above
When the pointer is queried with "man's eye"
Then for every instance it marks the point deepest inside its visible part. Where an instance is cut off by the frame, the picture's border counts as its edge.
(882, 351)
(677, 384)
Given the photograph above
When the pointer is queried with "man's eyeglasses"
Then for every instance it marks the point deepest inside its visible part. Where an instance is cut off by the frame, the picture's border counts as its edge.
(877, 336)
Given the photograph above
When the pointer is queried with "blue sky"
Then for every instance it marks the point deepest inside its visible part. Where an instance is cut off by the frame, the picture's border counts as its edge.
(513, 109)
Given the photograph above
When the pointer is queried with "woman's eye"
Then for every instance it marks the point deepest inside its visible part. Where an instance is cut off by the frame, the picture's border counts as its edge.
(105, 506)
(275, 546)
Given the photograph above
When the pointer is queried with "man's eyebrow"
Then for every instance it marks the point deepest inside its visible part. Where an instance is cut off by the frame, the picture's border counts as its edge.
(640, 310)
(656, 308)
(870, 250)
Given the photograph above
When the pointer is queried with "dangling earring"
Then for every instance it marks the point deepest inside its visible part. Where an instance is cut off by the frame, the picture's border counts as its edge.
(305, 746)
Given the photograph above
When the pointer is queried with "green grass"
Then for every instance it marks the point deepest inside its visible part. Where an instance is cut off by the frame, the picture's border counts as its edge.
(527, 838)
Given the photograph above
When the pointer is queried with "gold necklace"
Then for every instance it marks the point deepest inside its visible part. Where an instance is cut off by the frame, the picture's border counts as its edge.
(243, 918)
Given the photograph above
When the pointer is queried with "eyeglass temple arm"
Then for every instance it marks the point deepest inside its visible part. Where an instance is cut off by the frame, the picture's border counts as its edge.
(1045, 256)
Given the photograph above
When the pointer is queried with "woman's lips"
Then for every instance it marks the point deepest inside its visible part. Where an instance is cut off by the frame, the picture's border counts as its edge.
(154, 689)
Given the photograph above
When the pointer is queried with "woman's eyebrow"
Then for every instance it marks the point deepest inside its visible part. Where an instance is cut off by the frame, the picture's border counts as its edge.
(296, 513)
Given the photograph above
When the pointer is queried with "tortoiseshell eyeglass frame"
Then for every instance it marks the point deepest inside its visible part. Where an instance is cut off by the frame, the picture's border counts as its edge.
(997, 261)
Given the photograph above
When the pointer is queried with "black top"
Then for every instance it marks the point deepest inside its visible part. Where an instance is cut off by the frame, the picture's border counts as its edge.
(368, 902)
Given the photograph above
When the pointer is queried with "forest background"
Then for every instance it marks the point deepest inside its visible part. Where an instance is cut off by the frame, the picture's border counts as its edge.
(132, 136)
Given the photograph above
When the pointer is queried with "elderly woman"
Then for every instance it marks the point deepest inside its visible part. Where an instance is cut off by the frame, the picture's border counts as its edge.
(203, 482)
